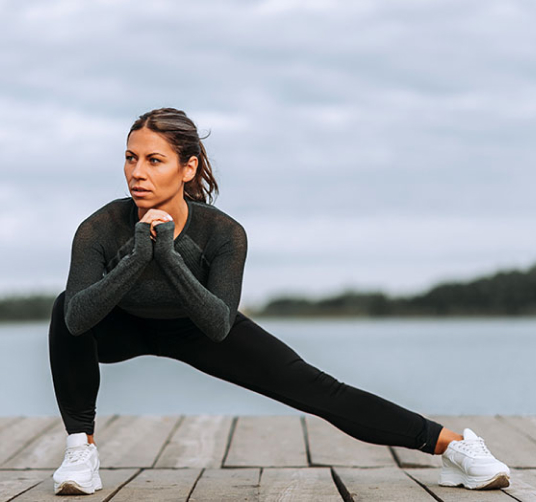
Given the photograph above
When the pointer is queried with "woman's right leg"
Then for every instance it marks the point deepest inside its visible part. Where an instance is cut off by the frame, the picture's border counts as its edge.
(253, 358)
(74, 361)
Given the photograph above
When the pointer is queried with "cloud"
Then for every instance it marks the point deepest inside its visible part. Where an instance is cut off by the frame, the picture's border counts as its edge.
(409, 118)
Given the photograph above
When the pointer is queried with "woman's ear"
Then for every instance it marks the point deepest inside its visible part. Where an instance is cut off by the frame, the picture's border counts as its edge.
(190, 169)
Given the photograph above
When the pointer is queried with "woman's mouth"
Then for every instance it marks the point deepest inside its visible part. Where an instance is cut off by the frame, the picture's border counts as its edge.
(139, 191)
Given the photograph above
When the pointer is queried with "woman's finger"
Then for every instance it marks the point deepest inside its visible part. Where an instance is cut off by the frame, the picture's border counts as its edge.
(150, 219)
(156, 214)
(154, 223)
(152, 232)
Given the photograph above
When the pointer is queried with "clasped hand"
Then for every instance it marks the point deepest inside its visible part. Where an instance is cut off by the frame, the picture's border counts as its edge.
(155, 217)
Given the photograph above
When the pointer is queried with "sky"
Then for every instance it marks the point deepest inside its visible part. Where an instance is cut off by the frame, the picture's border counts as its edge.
(371, 145)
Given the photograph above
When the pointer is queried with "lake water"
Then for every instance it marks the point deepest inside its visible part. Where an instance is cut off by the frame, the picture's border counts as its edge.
(453, 366)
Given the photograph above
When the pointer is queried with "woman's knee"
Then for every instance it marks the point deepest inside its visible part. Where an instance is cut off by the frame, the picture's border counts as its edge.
(58, 327)
(57, 318)
(59, 305)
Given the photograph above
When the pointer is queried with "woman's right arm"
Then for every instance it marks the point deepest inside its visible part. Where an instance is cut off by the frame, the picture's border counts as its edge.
(90, 293)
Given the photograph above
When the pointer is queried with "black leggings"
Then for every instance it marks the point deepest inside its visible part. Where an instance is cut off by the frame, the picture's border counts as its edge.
(249, 357)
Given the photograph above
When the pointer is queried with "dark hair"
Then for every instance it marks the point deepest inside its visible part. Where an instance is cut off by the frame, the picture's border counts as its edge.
(181, 133)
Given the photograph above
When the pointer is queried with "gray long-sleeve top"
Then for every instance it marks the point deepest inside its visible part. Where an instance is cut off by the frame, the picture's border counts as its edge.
(114, 262)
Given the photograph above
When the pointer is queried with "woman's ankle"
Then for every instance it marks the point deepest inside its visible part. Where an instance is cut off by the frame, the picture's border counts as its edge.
(444, 439)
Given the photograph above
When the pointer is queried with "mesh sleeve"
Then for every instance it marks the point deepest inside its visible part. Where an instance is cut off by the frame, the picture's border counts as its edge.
(90, 293)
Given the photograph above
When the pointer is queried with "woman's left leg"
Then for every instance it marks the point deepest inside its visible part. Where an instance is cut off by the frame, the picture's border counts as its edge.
(253, 358)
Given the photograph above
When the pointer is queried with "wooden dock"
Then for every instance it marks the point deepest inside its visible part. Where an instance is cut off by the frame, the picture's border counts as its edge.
(202, 458)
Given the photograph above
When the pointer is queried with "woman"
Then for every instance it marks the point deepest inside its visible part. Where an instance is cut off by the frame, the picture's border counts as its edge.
(161, 273)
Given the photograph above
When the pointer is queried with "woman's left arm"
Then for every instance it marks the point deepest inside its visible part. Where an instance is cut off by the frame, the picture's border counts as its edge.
(212, 308)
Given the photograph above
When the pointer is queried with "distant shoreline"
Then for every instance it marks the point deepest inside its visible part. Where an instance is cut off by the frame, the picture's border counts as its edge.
(337, 317)
(255, 315)
(504, 294)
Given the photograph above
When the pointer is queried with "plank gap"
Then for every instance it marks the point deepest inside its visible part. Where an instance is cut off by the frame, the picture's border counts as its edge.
(116, 491)
(345, 494)
(195, 484)
(510, 495)
(306, 441)
(167, 440)
(24, 469)
(423, 486)
(395, 456)
(229, 440)
(24, 491)
(34, 438)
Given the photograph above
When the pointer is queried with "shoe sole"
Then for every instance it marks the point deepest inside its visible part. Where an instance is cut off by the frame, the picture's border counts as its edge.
(71, 487)
(500, 480)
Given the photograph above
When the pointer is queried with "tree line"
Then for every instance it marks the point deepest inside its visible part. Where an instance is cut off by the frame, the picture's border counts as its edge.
(34, 307)
(507, 293)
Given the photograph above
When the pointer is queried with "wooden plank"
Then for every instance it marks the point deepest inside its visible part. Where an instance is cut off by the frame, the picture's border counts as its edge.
(415, 458)
(17, 434)
(101, 423)
(5, 421)
(330, 446)
(162, 485)
(526, 425)
(430, 478)
(523, 485)
(504, 441)
(13, 483)
(134, 441)
(267, 441)
(381, 484)
(46, 451)
(199, 441)
(227, 485)
(111, 481)
(313, 483)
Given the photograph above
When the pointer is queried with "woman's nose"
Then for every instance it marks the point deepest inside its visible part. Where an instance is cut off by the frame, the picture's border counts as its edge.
(139, 170)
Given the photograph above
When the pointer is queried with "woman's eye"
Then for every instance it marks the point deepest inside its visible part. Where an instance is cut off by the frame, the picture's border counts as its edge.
(129, 158)
(156, 161)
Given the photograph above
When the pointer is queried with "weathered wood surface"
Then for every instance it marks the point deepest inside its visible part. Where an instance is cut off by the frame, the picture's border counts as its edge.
(526, 425)
(13, 483)
(15, 435)
(313, 483)
(44, 445)
(267, 442)
(112, 481)
(227, 485)
(253, 458)
(159, 484)
(330, 446)
(381, 484)
(523, 486)
(199, 441)
(134, 441)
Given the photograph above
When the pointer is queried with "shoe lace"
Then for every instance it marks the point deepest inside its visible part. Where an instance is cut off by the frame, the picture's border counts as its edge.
(475, 447)
(77, 454)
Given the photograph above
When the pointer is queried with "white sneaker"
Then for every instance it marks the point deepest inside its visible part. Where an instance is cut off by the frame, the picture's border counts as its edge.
(79, 471)
(469, 463)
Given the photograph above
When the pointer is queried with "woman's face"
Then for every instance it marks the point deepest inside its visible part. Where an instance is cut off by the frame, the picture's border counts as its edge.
(154, 174)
